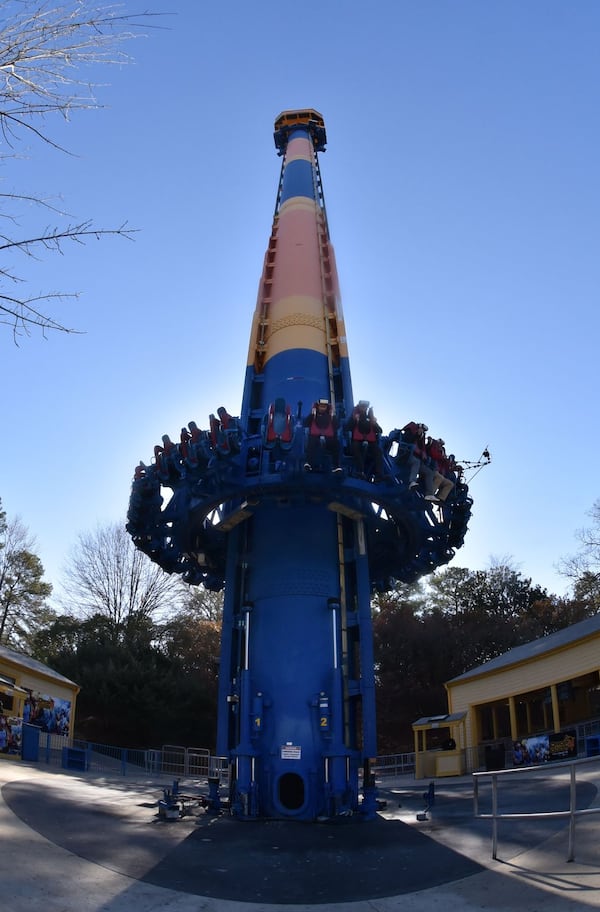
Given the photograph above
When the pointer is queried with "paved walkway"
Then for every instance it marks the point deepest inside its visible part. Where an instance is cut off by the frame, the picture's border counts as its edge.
(81, 843)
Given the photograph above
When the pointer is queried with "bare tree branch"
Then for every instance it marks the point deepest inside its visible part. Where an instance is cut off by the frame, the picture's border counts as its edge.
(44, 48)
(23, 592)
(583, 568)
(107, 575)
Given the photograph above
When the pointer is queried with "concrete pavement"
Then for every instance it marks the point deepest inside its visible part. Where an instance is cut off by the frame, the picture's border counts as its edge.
(75, 843)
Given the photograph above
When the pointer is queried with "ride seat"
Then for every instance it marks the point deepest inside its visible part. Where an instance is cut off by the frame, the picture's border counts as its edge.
(278, 426)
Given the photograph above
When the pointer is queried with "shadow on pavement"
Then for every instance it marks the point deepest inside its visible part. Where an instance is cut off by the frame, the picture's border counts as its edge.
(271, 861)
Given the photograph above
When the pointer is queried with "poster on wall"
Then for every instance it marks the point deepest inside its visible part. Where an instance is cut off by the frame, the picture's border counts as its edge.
(563, 745)
(531, 751)
(541, 748)
(11, 729)
(48, 713)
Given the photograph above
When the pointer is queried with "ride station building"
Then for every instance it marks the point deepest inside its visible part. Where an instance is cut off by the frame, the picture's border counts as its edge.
(32, 693)
(535, 702)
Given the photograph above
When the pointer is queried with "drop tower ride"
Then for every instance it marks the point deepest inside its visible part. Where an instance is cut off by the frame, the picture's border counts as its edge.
(298, 553)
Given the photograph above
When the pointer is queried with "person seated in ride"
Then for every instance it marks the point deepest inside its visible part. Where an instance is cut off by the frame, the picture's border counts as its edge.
(442, 484)
(199, 446)
(455, 472)
(225, 432)
(413, 433)
(230, 427)
(167, 457)
(322, 435)
(365, 440)
(185, 450)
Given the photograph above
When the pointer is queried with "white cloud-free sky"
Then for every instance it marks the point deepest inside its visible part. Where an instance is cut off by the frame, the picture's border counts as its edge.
(462, 187)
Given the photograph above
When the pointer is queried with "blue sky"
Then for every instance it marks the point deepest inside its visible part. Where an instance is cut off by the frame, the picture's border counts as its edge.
(462, 188)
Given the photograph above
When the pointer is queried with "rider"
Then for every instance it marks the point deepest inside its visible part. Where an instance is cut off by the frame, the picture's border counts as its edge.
(365, 436)
(322, 430)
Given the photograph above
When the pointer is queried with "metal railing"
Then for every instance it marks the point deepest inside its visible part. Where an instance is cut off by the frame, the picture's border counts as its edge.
(394, 764)
(195, 762)
(400, 764)
(571, 814)
(171, 760)
(174, 760)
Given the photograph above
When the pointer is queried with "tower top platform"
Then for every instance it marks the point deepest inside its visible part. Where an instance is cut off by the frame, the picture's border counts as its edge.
(301, 116)
(308, 118)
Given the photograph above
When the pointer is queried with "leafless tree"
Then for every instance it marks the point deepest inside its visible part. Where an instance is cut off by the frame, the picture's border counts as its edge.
(203, 603)
(583, 568)
(44, 47)
(23, 592)
(107, 575)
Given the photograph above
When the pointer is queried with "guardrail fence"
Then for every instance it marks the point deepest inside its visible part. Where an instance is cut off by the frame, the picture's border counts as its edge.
(570, 768)
(171, 760)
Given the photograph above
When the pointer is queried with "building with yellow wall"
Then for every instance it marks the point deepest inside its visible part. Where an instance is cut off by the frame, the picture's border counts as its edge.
(34, 693)
(545, 687)
(548, 685)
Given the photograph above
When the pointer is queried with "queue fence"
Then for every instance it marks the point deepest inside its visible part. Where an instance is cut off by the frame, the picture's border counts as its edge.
(572, 813)
(170, 760)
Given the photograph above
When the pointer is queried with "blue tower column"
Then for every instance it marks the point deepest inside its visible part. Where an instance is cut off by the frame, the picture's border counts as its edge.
(298, 554)
(290, 749)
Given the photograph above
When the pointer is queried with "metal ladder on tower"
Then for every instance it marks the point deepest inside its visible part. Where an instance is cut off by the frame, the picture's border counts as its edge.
(327, 286)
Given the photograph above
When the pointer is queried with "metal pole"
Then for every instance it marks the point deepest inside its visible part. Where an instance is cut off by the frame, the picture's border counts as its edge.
(334, 637)
(494, 817)
(572, 808)
(247, 643)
